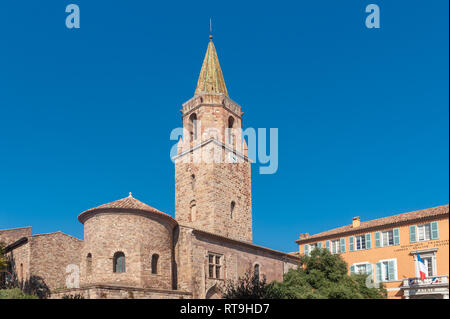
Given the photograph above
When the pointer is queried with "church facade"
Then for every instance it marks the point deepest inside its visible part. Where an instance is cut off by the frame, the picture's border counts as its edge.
(132, 250)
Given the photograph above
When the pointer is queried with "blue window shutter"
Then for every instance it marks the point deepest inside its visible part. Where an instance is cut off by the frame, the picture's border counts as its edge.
(412, 234)
(342, 245)
(327, 245)
(319, 245)
(368, 241)
(378, 272)
(434, 230)
(391, 269)
(369, 269)
(306, 249)
(396, 236)
(377, 239)
(351, 243)
(352, 270)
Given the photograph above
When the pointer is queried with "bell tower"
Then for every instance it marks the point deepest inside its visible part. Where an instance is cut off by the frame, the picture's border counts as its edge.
(212, 169)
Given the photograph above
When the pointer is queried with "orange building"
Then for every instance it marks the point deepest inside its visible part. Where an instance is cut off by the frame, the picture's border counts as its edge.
(387, 248)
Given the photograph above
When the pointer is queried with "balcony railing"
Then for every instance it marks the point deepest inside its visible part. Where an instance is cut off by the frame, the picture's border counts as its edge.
(430, 281)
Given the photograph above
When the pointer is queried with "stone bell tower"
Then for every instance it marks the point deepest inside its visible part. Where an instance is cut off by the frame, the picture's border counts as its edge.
(212, 170)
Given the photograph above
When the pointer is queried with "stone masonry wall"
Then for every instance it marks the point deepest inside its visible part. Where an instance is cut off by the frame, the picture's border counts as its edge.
(207, 174)
(8, 236)
(236, 259)
(19, 259)
(138, 236)
(118, 292)
(50, 254)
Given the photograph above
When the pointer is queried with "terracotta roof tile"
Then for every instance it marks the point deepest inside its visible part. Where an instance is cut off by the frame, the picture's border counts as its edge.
(127, 203)
(400, 218)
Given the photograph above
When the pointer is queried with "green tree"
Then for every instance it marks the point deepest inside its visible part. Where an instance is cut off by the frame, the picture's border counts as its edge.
(248, 286)
(2, 257)
(324, 276)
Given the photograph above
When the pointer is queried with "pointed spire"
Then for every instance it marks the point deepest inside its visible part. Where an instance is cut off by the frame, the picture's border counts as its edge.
(211, 77)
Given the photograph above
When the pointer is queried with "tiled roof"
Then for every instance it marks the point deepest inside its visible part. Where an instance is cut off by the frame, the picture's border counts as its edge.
(396, 219)
(211, 79)
(128, 203)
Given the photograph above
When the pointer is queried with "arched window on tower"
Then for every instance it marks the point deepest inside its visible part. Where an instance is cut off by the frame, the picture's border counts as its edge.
(193, 126)
(256, 271)
(230, 130)
(89, 263)
(193, 207)
(193, 182)
(155, 258)
(119, 262)
(232, 206)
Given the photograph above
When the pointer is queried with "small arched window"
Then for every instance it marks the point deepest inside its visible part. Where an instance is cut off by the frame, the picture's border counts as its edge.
(119, 262)
(193, 126)
(232, 206)
(230, 130)
(89, 263)
(193, 207)
(21, 272)
(155, 258)
(193, 181)
(256, 271)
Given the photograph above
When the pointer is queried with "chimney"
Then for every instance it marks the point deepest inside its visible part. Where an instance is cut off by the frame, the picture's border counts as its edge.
(356, 221)
(303, 236)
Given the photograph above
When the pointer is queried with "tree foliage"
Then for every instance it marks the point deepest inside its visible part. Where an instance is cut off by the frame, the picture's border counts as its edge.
(247, 287)
(3, 261)
(321, 276)
(324, 276)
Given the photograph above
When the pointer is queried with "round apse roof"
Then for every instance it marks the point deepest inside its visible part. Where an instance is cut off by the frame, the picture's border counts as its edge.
(130, 204)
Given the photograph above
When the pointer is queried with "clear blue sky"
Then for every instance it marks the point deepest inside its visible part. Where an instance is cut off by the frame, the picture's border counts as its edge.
(362, 113)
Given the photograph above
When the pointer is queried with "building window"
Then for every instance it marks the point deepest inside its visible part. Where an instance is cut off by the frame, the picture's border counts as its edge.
(423, 232)
(193, 126)
(361, 268)
(21, 272)
(119, 262)
(89, 263)
(256, 271)
(429, 259)
(360, 242)
(388, 238)
(232, 206)
(193, 182)
(429, 266)
(386, 270)
(335, 247)
(230, 130)
(214, 266)
(155, 258)
(193, 207)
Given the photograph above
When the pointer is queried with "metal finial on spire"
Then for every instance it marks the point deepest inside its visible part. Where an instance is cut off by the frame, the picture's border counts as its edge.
(210, 28)
(129, 195)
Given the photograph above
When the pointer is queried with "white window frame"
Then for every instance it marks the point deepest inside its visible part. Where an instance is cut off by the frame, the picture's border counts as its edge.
(423, 226)
(429, 253)
(337, 247)
(383, 275)
(360, 264)
(363, 240)
(383, 244)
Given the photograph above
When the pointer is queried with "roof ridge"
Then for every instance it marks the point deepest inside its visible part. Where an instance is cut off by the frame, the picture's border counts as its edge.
(412, 215)
(126, 203)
